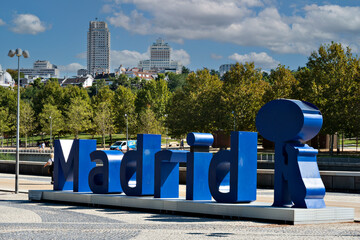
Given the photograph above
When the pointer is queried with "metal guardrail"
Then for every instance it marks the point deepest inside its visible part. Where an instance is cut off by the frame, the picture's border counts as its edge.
(37, 151)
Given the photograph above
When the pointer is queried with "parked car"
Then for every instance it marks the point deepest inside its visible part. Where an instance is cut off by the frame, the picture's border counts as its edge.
(121, 145)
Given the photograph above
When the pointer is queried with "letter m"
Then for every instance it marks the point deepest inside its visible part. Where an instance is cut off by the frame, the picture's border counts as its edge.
(72, 164)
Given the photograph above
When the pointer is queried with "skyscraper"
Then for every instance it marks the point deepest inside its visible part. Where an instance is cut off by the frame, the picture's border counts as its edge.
(98, 48)
(160, 59)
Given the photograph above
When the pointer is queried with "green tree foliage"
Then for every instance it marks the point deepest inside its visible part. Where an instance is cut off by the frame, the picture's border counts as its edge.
(103, 120)
(57, 119)
(78, 115)
(154, 95)
(283, 84)
(96, 86)
(4, 123)
(50, 93)
(8, 100)
(331, 83)
(27, 120)
(195, 107)
(121, 80)
(243, 92)
(148, 123)
(124, 103)
(14, 74)
(176, 81)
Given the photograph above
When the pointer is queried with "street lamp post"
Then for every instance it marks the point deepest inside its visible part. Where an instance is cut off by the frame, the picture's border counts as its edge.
(18, 52)
(50, 132)
(127, 133)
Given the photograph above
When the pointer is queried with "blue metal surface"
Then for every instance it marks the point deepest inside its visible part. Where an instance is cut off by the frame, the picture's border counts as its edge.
(167, 173)
(72, 164)
(233, 174)
(137, 167)
(297, 180)
(106, 178)
(197, 167)
(200, 139)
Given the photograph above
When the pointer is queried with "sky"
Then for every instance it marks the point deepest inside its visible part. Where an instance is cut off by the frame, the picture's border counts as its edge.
(202, 33)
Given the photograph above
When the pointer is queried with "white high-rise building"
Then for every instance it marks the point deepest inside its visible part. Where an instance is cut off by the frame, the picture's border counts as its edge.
(160, 58)
(98, 48)
(43, 69)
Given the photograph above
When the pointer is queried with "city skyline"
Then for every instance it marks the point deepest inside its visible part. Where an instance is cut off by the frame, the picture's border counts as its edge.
(202, 34)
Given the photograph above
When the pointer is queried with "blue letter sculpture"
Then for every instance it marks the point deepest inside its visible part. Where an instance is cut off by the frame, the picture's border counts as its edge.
(137, 167)
(167, 173)
(232, 174)
(197, 166)
(106, 179)
(289, 123)
(72, 164)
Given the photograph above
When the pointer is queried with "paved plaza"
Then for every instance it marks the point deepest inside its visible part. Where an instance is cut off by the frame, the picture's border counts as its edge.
(22, 219)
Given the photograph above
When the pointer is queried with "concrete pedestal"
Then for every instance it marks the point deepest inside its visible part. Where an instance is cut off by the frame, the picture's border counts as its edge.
(256, 210)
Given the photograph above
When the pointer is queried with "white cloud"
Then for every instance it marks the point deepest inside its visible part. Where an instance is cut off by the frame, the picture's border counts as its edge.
(81, 55)
(28, 24)
(127, 58)
(262, 60)
(2, 22)
(181, 55)
(71, 68)
(242, 22)
(107, 8)
(215, 56)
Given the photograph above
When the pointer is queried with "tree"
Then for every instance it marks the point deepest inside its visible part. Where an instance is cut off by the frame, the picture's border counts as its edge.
(103, 120)
(78, 115)
(27, 119)
(14, 74)
(148, 122)
(195, 107)
(121, 80)
(4, 123)
(123, 103)
(56, 121)
(185, 70)
(283, 84)
(331, 83)
(176, 81)
(243, 92)
(155, 94)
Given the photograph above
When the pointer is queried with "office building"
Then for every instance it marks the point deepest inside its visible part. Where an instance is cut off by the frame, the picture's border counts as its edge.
(225, 68)
(98, 48)
(42, 69)
(160, 58)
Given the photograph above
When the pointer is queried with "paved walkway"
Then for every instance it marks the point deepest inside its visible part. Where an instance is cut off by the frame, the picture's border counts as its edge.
(27, 182)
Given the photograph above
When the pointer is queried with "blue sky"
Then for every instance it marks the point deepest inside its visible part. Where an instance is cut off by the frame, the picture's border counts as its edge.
(202, 33)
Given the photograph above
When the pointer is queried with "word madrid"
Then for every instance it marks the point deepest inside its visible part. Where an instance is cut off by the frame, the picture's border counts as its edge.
(228, 176)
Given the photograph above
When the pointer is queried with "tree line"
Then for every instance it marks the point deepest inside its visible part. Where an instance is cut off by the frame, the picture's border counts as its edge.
(199, 101)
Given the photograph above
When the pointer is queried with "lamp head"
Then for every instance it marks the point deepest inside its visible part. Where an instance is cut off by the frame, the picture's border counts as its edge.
(18, 52)
(11, 53)
(26, 54)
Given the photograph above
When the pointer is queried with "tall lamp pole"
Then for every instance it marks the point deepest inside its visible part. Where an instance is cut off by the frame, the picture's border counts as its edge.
(127, 133)
(50, 132)
(18, 52)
